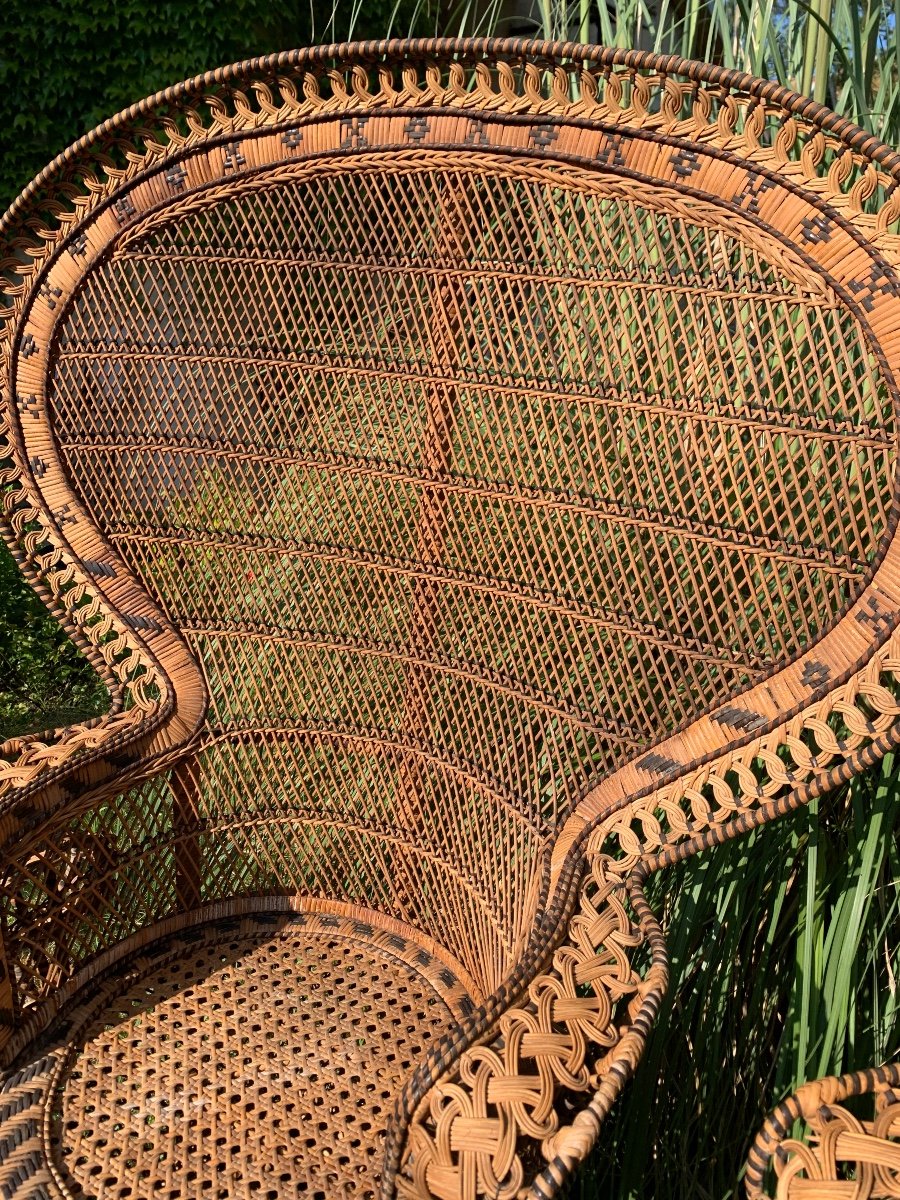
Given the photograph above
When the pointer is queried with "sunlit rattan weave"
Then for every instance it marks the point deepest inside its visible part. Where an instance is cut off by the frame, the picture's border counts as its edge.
(471, 465)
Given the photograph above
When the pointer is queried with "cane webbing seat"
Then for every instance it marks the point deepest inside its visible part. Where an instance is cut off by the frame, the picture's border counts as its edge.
(471, 467)
(242, 1056)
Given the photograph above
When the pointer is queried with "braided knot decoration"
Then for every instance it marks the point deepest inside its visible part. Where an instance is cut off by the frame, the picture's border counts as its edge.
(845, 1155)
(583, 1020)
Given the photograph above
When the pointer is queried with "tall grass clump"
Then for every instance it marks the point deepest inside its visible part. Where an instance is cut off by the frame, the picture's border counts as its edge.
(785, 958)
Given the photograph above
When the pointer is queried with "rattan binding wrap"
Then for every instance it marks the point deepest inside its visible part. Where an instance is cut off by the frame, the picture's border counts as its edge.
(472, 466)
(846, 1154)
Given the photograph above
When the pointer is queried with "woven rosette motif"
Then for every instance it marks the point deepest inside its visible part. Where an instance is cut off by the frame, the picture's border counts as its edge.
(471, 466)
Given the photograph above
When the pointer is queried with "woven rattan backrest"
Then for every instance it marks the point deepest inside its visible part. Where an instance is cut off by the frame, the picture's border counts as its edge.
(468, 446)
(528, 418)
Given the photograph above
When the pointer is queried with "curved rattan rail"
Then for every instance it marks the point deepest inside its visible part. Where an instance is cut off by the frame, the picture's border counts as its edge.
(472, 467)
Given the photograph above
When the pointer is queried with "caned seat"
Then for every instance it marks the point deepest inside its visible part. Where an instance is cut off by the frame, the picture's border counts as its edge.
(471, 467)
(242, 1055)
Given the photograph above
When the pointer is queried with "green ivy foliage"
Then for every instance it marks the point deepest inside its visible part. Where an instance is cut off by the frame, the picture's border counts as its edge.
(44, 682)
(67, 65)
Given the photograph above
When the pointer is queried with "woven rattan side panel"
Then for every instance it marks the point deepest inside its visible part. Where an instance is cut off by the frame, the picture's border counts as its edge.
(464, 476)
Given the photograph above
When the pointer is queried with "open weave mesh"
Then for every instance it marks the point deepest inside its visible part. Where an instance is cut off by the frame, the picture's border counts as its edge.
(298, 1038)
(462, 482)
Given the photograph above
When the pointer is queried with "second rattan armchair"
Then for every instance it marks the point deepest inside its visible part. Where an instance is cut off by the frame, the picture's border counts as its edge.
(472, 466)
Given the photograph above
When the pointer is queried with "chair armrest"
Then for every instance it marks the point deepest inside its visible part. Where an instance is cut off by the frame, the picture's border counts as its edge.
(491, 1122)
(843, 1154)
(524, 1105)
(32, 763)
(48, 844)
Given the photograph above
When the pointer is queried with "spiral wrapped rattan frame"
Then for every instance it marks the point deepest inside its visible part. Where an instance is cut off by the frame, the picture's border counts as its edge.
(760, 672)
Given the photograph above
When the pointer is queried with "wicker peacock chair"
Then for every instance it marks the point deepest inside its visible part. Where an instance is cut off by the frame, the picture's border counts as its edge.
(471, 467)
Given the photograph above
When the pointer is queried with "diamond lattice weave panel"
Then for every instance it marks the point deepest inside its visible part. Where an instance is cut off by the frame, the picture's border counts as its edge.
(420, 462)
